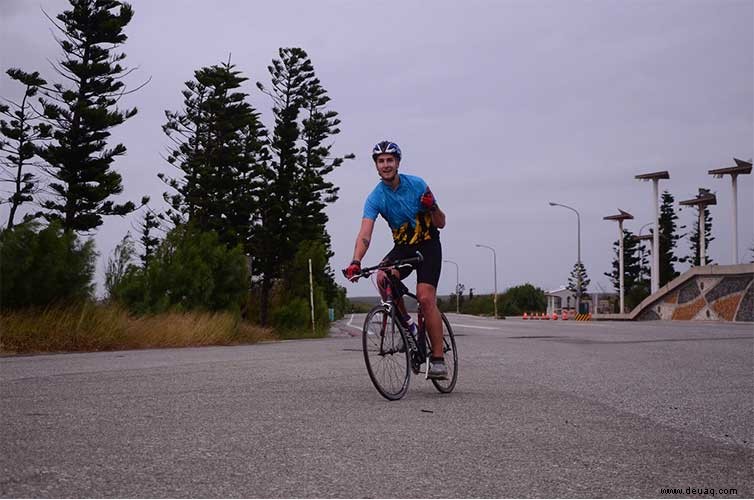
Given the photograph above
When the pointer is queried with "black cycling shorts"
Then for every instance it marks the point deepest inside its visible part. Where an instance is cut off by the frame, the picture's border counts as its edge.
(427, 271)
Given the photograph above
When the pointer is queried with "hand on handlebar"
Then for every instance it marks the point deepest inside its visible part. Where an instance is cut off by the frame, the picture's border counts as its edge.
(352, 271)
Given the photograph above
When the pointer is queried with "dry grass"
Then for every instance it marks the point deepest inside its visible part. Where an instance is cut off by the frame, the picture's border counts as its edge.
(93, 327)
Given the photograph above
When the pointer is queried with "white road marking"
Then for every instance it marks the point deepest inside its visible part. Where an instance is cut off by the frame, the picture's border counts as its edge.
(474, 326)
(353, 326)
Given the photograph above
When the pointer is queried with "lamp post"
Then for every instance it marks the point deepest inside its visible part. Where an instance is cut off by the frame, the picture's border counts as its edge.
(494, 267)
(458, 292)
(578, 251)
(655, 178)
(741, 168)
(620, 218)
(703, 199)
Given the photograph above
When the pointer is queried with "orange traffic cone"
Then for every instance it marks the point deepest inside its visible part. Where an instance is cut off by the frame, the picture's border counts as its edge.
(554, 316)
(525, 316)
(546, 316)
(564, 316)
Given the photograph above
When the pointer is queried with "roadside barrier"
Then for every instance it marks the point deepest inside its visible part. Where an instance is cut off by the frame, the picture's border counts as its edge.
(564, 316)
(584, 317)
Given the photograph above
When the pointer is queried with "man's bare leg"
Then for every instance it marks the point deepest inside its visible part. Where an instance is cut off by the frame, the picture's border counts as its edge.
(427, 295)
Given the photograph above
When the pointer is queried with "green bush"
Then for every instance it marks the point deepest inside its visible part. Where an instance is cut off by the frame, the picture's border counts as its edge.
(291, 309)
(513, 302)
(523, 298)
(40, 267)
(191, 270)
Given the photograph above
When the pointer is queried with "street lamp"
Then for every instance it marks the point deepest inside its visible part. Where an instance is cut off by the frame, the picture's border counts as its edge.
(703, 199)
(458, 292)
(655, 178)
(620, 218)
(578, 253)
(494, 267)
(741, 168)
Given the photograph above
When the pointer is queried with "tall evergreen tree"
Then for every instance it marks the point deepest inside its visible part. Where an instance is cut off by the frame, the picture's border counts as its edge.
(22, 134)
(579, 271)
(694, 241)
(644, 249)
(631, 263)
(83, 111)
(668, 239)
(275, 238)
(148, 241)
(220, 147)
(297, 191)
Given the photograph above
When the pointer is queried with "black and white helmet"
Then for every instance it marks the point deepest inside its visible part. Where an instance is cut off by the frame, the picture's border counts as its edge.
(386, 147)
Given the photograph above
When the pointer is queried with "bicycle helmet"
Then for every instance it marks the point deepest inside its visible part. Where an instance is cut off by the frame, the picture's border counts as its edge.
(386, 147)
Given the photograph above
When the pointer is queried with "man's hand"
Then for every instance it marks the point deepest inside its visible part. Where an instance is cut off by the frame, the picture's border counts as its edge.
(428, 202)
(352, 270)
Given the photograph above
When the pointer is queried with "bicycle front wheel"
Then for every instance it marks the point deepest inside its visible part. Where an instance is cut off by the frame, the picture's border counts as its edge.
(385, 353)
(451, 358)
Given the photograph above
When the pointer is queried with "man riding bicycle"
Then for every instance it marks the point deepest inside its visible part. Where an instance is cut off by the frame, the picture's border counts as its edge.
(411, 211)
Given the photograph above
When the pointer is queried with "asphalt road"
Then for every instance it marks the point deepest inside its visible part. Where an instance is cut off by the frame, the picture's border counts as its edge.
(541, 409)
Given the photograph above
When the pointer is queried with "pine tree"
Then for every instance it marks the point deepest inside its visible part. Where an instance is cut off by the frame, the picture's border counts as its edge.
(83, 114)
(148, 241)
(668, 239)
(631, 263)
(297, 191)
(220, 147)
(315, 192)
(579, 271)
(275, 238)
(694, 236)
(22, 134)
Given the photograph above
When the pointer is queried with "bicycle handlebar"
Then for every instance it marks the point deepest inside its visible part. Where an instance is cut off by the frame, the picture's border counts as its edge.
(367, 271)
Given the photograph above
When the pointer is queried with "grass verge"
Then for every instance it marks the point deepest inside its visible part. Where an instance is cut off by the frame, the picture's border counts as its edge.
(94, 327)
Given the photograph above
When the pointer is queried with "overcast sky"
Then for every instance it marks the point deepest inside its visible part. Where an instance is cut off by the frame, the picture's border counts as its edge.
(501, 106)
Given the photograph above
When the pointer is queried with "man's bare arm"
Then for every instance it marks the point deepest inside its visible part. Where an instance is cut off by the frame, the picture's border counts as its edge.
(363, 239)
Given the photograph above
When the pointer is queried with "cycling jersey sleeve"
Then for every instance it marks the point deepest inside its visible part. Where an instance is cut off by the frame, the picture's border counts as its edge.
(371, 210)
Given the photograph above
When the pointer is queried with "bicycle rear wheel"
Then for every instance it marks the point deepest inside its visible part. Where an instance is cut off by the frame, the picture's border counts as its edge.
(451, 358)
(385, 353)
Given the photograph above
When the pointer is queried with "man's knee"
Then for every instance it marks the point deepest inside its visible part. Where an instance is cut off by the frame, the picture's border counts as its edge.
(427, 296)
(382, 284)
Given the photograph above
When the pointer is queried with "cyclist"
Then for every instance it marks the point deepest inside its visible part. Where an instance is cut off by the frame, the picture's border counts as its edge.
(411, 211)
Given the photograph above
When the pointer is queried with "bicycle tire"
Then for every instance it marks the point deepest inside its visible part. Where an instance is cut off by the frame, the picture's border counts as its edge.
(387, 364)
(451, 358)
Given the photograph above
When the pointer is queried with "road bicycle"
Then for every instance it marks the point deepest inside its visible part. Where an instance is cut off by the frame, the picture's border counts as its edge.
(391, 351)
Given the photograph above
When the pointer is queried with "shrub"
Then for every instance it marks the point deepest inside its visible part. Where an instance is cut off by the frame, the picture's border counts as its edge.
(291, 309)
(39, 267)
(191, 270)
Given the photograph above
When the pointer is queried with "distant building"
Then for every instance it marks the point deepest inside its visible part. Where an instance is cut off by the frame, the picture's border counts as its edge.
(564, 299)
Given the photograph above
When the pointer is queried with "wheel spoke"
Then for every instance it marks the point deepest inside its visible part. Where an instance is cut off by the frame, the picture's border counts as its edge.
(387, 367)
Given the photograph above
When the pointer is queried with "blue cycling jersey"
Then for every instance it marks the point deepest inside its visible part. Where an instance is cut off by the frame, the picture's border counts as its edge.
(402, 210)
